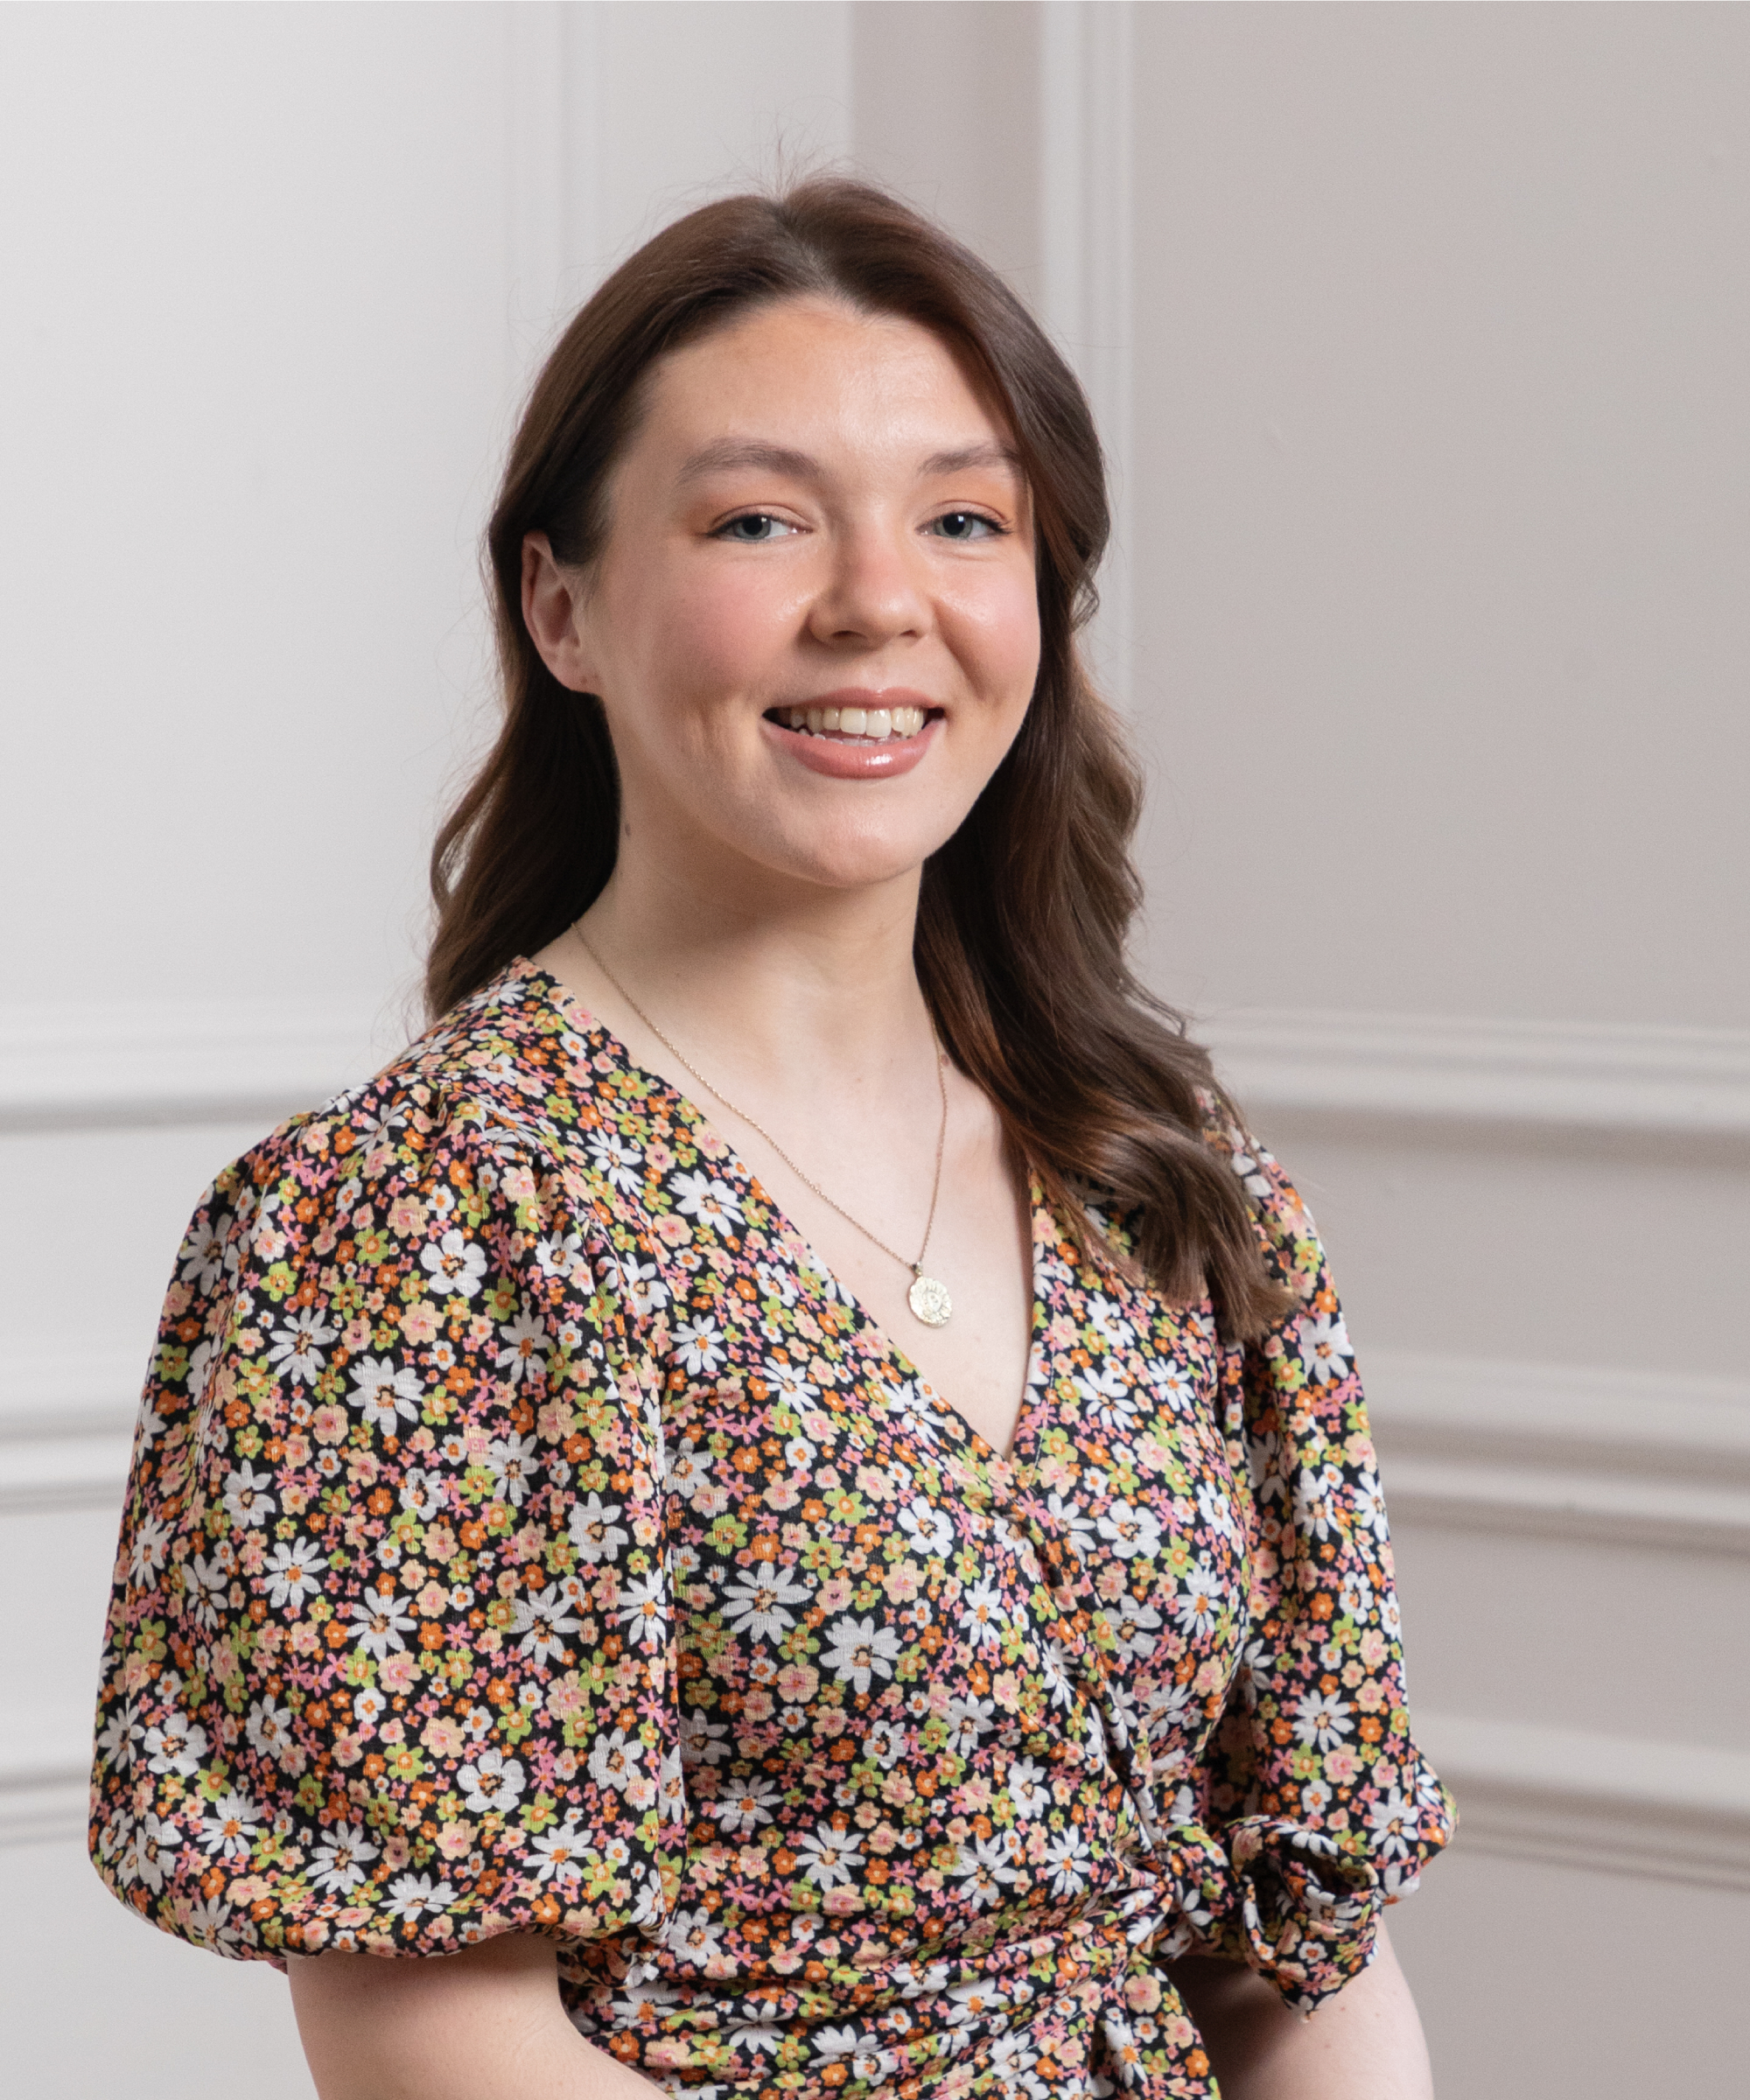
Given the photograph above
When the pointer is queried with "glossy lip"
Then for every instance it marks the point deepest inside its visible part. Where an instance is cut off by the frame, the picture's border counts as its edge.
(882, 761)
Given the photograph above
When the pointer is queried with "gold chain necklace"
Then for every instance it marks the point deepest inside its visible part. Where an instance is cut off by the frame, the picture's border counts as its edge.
(928, 1298)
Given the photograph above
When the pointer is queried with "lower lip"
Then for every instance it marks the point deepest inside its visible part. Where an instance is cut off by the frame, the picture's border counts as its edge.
(848, 761)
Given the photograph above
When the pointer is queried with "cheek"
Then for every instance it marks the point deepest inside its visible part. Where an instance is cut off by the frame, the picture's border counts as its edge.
(709, 638)
(995, 632)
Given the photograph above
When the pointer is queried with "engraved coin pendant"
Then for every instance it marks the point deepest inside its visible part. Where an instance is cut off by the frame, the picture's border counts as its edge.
(930, 1301)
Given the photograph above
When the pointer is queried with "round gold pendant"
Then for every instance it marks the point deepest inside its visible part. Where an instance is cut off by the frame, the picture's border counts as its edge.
(930, 1301)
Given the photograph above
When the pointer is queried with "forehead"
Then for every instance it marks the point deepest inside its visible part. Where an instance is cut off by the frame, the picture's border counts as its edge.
(818, 375)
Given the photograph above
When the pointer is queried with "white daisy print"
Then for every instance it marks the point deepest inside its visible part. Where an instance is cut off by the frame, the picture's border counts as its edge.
(338, 1865)
(298, 1348)
(493, 1782)
(594, 1529)
(827, 1857)
(763, 1604)
(292, 1573)
(858, 1651)
(411, 1896)
(1325, 1348)
(230, 1826)
(247, 1496)
(379, 1622)
(454, 1265)
(385, 1392)
(712, 1201)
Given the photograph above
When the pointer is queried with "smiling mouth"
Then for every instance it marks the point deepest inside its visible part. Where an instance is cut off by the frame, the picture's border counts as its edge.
(854, 724)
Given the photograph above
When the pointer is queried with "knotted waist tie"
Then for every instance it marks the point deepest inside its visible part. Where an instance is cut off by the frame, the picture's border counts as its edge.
(1281, 1898)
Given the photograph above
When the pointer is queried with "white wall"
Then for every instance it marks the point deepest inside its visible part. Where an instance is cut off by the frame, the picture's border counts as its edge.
(1443, 325)
(255, 359)
(274, 278)
(1440, 542)
(1418, 337)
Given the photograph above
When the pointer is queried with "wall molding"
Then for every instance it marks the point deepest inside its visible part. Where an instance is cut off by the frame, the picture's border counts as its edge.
(45, 1772)
(554, 247)
(42, 1470)
(536, 193)
(1616, 1458)
(65, 1068)
(1568, 1797)
(67, 1430)
(41, 1806)
(1087, 220)
(1525, 1075)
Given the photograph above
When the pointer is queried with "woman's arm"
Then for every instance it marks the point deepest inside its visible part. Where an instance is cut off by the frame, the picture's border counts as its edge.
(1364, 2044)
(485, 2024)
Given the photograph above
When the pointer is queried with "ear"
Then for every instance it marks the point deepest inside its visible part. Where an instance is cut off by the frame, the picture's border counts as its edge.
(552, 612)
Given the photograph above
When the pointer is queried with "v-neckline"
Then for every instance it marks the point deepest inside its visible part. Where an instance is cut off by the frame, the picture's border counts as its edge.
(578, 1017)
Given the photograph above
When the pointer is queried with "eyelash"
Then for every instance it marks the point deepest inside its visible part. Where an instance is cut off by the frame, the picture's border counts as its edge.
(978, 517)
(994, 530)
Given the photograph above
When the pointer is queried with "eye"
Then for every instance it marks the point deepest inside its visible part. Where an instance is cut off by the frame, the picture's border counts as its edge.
(753, 528)
(966, 525)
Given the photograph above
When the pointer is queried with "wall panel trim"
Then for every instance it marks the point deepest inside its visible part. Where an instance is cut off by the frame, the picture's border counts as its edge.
(1630, 1459)
(1621, 1458)
(1626, 1458)
(1634, 1081)
(42, 1470)
(45, 1770)
(1086, 222)
(72, 1069)
(1667, 1812)
(42, 1808)
(67, 1430)
(80, 1068)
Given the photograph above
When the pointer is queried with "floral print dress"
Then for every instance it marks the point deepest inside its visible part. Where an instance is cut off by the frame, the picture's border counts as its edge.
(526, 1534)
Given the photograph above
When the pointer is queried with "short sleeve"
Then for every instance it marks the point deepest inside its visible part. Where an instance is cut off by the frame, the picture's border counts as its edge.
(389, 1661)
(1311, 1780)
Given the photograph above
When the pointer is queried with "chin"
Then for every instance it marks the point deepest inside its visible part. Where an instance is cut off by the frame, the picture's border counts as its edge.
(842, 863)
(859, 871)
(834, 848)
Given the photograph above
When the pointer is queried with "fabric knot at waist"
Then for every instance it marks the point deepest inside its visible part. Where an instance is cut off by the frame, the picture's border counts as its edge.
(1073, 1991)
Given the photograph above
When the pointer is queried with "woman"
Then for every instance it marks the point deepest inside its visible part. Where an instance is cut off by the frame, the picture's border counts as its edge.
(784, 1496)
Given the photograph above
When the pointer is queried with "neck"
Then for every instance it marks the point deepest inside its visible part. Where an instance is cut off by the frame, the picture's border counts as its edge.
(789, 980)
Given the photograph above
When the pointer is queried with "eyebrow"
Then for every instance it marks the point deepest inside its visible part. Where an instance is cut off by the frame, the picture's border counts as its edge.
(984, 454)
(726, 454)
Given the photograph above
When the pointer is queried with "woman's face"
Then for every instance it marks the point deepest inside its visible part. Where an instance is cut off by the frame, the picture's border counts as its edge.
(813, 626)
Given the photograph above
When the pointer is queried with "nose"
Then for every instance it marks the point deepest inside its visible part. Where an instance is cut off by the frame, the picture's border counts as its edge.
(875, 589)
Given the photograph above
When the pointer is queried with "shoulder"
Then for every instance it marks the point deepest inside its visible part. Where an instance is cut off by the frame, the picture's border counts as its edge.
(411, 1223)
(1286, 1232)
(509, 1095)
(491, 1154)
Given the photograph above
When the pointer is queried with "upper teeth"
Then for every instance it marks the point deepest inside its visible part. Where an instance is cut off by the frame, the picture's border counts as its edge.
(874, 722)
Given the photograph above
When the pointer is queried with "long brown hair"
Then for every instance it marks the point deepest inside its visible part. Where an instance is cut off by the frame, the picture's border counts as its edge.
(1024, 912)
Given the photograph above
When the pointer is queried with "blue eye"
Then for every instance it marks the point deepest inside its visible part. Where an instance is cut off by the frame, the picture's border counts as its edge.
(753, 528)
(966, 525)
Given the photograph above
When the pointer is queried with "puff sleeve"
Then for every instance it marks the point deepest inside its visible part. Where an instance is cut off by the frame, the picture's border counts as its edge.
(388, 1660)
(1311, 1782)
